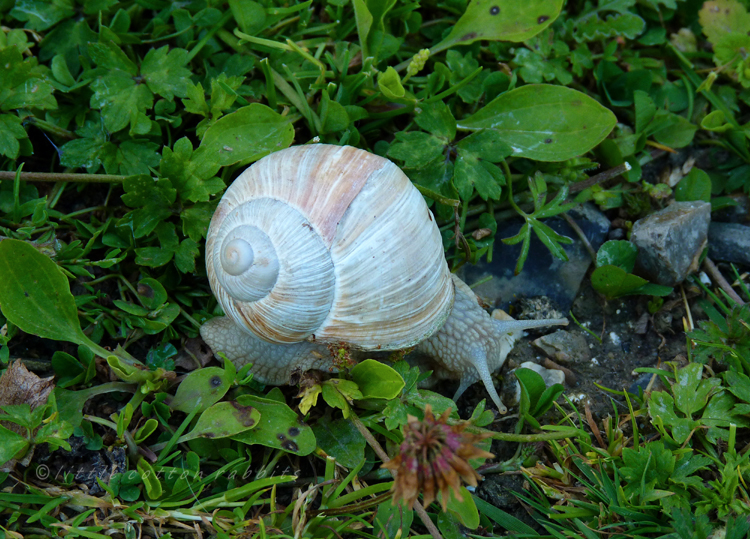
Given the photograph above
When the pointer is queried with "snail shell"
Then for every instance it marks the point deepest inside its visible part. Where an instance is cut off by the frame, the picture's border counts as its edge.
(329, 243)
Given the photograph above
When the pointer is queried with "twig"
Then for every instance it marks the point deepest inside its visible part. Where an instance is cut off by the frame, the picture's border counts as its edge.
(601, 177)
(380, 452)
(62, 177)
(581, 235)
(714, 272)
(570, 378)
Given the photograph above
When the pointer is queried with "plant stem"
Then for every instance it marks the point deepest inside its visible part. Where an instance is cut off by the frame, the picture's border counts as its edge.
(62, 177)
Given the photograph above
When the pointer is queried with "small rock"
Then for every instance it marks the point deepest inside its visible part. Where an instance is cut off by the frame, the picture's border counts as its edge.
(738, 213)
(671, 240)
(729, 242)
(564, 346)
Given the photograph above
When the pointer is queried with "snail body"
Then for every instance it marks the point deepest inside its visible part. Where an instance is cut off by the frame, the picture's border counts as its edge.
(327, 244)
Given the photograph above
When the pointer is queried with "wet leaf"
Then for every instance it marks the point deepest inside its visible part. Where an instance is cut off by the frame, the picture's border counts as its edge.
(279, 427)
(544, 122)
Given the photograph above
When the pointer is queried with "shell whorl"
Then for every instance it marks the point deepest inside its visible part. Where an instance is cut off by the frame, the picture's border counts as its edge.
(331, 243)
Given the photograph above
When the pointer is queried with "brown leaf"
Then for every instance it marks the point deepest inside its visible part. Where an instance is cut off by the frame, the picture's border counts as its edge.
(19, 386)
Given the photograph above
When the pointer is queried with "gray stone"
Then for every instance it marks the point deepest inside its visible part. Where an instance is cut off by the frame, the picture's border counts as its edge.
(671, 240)
(542, 275)
(564, 347)
(729, 242)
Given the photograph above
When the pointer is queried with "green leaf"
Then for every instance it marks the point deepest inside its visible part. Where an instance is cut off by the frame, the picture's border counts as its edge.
(677, 132)
(719, 18)
(716, 122)
(618, 253)
(121, 99)
(613, 281)
(192, 173)
(691, 393)
(42, 14)
(185, 255)
(487, 145)
(648, 466)
(150, 479)
(279, 427)
(165, 73)
(377, 380)
(364, 19)
(152, 293)
(695, 186)
(437, 119)
(644, 110)
(389, 84)
(663, 416)
(222, 420)
(504, 20)
(11, 444)
(247, 135)
(394, 520)
(22, 83)
(534, 385)
(341, 440)
(250, 16)
(465, 509)
(202, 388)
(35, 295)
(543, 122)
(471, 173)
(416, 149)
(11, 132)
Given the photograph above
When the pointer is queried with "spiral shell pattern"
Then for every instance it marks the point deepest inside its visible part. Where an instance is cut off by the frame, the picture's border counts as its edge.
(329, 243)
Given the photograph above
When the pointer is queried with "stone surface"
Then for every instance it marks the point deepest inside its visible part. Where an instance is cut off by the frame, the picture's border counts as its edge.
(564, 347)
(542, 274)
(671, 240)
(729, 242)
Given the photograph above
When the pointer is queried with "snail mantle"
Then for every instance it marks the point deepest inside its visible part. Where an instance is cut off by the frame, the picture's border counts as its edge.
(326, 244)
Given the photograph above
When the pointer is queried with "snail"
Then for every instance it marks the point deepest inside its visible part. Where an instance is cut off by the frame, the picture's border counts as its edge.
(322, 244)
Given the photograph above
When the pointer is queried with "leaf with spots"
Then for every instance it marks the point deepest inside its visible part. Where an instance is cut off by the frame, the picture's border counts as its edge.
(203, 388)
(720, 18)
(222, 420)
(279, 427)
(544, 122)
(501, 20)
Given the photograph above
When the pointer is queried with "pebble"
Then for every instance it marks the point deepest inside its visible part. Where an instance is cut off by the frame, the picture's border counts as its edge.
(729, 242)
(671, 240)
(564, 347)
